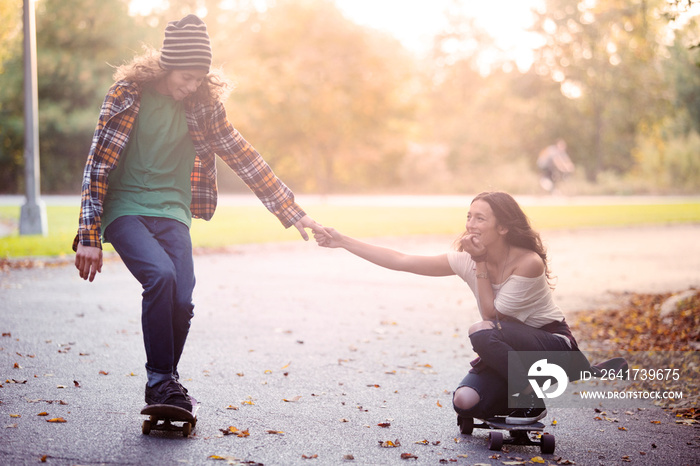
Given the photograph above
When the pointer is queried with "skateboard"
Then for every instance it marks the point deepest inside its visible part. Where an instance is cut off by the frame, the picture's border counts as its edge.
(161, 417)
(528, 434)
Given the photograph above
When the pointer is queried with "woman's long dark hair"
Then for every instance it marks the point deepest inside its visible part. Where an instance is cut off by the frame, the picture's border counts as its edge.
(520, 233)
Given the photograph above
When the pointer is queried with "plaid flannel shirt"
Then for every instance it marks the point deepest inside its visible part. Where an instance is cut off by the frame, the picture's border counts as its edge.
(211, 134)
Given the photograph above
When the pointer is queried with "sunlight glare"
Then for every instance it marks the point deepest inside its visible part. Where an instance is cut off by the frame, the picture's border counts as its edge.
(415, 22)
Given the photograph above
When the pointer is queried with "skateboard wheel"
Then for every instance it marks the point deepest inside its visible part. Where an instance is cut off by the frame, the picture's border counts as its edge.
(547, 445)
(466, 425)
(186, 429)
(495, 441)
(146, 427)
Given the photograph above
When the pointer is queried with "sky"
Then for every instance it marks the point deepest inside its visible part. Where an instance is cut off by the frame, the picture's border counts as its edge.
(415, 22)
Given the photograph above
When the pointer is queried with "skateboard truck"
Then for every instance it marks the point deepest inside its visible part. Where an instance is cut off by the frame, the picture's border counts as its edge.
(164, 417)
(528, 434)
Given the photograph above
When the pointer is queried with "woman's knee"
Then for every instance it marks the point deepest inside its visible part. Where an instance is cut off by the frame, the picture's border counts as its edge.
(465, 398)
(483, 325)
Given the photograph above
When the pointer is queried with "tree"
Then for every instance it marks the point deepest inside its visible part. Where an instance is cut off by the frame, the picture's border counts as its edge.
(327, 102)
(605, 55)
(77, 40)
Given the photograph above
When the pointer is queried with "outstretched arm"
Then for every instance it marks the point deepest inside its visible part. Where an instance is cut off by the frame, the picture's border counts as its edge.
(434, 266)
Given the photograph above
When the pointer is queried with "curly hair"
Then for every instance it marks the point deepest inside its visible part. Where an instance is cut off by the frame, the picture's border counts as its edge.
(145, 68)
(520, 233)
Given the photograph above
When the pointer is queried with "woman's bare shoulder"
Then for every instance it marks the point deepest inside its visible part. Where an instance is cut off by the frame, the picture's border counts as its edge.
(528, 264)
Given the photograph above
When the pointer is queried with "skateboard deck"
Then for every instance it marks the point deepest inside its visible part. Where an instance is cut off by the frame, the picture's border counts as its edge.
(162, 417)
(527, 434)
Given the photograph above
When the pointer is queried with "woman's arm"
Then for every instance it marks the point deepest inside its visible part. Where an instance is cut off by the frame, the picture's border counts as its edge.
(434, 266)
(487, 306)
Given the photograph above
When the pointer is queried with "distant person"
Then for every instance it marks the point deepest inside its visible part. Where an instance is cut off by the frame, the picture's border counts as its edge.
(555, 165)
(151, 169)
(503, 261)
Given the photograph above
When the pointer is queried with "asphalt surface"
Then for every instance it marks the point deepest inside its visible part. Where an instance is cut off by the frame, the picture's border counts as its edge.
(304, 352)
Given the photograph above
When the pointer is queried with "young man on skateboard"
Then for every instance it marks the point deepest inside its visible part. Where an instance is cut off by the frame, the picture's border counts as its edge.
(150, 170)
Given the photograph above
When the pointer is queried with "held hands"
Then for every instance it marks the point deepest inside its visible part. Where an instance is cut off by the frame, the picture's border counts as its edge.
(472, 245)
(308, 222)
(330, 238)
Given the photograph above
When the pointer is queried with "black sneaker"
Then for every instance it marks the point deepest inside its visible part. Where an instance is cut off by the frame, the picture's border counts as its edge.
(524, 416)
(176, 378)
(168, 392)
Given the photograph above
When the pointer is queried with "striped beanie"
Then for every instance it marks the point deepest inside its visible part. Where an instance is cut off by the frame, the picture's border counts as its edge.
(186, 45)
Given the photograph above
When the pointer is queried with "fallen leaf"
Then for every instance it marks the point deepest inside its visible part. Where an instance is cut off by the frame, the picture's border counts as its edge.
(276, 432)
(408, 456)
(622, 428)
(438, 404)
(17, 366)
(43, 413)
(537, 459)
(15, 416)
(104, 373)
(56, 420)
(235, 431)
(384, 424)
(295, 399)
(348, 457)
(389, 443)
(309, 457)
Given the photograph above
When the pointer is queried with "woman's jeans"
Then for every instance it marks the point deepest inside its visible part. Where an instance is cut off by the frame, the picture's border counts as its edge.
(158, 252)
(489, 377)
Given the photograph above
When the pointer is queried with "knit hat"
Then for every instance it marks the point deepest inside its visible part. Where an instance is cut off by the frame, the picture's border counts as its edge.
(186, 45)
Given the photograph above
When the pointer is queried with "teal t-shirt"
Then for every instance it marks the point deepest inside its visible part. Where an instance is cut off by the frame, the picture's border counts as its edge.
(152, 177)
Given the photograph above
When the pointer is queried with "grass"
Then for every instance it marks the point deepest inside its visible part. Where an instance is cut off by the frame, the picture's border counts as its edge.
(253, 224)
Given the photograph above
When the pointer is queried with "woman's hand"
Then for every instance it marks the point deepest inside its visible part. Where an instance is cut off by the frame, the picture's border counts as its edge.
(308, 222)
(472, 245)
(328, 238)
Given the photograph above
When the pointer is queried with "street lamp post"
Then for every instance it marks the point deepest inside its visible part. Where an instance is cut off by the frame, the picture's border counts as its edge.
(32, 220)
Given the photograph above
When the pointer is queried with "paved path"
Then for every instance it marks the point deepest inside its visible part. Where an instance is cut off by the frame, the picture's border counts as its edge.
(313, 343)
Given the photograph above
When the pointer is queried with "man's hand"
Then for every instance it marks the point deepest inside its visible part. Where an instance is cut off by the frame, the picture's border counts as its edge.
(308, 222)
(88, 261)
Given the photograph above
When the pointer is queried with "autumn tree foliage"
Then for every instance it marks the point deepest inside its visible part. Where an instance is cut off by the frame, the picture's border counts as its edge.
(339, 107)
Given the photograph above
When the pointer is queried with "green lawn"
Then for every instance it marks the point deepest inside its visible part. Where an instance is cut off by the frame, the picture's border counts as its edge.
(253, 224)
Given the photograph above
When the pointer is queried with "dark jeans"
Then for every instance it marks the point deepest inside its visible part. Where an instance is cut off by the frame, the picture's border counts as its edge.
(489, 377)
(158, 252)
